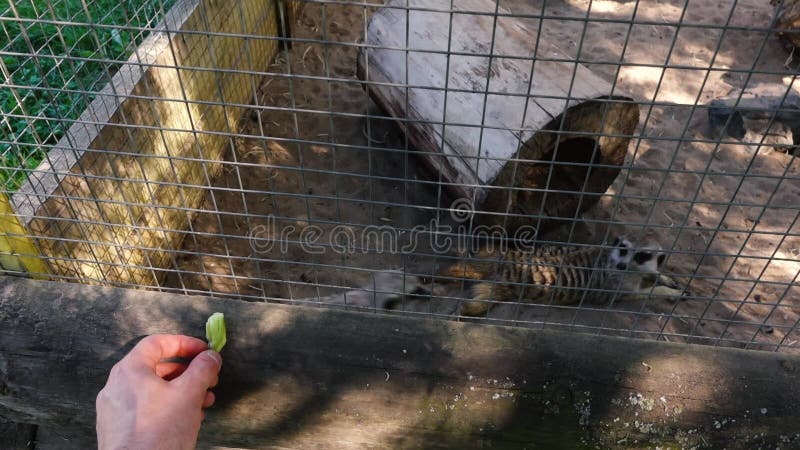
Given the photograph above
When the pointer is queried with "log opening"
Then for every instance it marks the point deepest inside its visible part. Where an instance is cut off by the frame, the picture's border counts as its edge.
(563, 169)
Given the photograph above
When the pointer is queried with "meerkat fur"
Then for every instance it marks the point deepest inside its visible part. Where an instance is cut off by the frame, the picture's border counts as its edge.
(553, 274)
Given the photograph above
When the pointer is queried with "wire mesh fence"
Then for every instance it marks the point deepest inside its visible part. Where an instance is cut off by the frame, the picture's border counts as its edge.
(415, 157)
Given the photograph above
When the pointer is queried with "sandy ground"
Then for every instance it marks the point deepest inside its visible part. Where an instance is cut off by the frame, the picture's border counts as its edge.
(352, 170)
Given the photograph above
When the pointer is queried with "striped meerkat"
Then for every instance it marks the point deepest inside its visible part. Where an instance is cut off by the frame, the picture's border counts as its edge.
(558, 275)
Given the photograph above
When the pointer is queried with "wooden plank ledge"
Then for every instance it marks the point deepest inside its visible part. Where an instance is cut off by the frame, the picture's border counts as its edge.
(304, 377)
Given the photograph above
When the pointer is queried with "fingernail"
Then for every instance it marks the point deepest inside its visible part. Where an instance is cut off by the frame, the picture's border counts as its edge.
(215, 356)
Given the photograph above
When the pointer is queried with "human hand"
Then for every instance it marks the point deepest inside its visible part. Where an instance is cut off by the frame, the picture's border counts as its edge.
(151, 404)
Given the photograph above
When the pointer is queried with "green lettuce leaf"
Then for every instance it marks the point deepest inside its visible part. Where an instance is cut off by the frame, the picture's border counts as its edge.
(215, 331)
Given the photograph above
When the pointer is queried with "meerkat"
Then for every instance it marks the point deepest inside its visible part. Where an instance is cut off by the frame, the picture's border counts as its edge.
(562, 275)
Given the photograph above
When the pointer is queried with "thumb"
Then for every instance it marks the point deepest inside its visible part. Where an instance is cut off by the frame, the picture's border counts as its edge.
(202, 373)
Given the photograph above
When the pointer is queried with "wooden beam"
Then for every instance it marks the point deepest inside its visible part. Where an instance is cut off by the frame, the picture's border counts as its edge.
(300, 377)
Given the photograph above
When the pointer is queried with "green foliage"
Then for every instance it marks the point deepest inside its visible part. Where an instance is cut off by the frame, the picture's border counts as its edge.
(55, 53)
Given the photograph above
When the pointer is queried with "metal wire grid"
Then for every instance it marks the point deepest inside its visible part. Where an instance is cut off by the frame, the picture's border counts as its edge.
(48, 49)
(286, 70)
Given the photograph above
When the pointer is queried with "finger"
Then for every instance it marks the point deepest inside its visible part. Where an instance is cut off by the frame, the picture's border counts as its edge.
(170, 370)
(150, 350)
(209, 400)
(202, 373)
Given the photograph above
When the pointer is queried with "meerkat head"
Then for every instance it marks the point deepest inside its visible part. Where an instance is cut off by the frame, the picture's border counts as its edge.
(648, 260)
(621, 254)
(626, 256)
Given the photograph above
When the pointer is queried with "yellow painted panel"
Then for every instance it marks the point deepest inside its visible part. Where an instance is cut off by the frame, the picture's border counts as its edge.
(17, 251)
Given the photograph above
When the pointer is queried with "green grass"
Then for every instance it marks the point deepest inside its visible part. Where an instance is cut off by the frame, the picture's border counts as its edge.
(54, 64)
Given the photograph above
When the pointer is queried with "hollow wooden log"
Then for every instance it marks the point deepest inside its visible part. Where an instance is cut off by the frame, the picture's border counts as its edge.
(460, 86)
(299, 377)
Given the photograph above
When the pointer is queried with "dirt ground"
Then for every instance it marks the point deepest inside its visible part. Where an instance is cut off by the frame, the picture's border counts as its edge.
(312, 171)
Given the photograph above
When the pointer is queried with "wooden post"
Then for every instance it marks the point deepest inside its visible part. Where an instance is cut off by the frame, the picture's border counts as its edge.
(419, 63)
(298, 377)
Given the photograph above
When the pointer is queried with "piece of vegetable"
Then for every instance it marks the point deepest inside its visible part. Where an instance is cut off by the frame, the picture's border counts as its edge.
(215, 331)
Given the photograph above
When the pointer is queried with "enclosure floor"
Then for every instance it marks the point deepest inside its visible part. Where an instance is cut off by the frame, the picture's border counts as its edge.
(268, 181)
